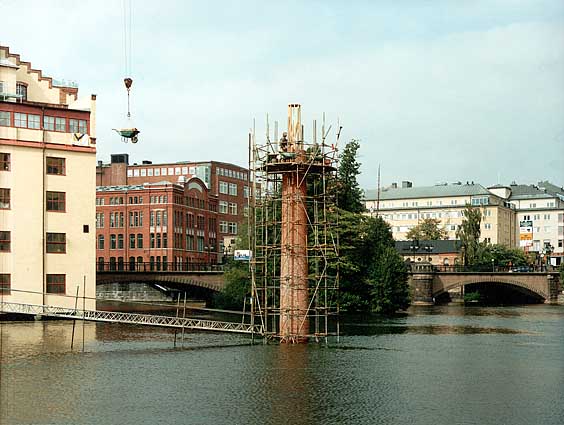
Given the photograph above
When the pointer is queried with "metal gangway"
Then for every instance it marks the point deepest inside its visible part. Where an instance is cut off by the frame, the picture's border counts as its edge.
(131, 318)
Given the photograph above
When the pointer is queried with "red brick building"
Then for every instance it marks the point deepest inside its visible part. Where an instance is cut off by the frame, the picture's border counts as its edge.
(156, 226)
(228, 182)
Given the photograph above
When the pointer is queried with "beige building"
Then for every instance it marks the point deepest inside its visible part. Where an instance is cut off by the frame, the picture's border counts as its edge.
(404, 207)
(47, 187)
(542, 206)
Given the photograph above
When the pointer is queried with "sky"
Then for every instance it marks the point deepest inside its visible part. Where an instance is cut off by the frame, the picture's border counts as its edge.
(435, 91)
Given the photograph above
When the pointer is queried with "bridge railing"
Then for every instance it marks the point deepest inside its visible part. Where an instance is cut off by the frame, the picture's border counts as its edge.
(157, 267)
(486, 268)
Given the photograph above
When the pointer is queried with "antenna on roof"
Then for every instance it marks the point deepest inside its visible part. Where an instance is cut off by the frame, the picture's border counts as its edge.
(378, 195)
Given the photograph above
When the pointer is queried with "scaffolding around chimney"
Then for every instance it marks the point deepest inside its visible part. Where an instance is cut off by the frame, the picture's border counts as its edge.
(293, 223)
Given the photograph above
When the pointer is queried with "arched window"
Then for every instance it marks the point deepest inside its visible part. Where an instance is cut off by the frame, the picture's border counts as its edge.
(100, 241)
(131, 264)
(446, 262)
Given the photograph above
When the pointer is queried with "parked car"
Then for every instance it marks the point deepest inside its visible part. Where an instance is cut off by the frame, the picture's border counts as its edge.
(521, 269)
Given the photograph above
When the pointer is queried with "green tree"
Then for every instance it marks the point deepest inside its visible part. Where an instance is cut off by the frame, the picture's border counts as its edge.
(237, 286)
(561, 275)
(388, 279)
(429, 229)
(469, 235)
(372, 274)
(501, 256)
(349, 193)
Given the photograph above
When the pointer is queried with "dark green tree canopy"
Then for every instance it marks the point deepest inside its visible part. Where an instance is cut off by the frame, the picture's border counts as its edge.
(429, 229)
(349, 193)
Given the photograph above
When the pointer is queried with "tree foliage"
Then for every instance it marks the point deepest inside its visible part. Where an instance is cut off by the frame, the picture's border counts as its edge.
(469, 235)
(373, 276)
(388, 279)
(429, 229)
(237, 287)
(501, 256)
(349, 193)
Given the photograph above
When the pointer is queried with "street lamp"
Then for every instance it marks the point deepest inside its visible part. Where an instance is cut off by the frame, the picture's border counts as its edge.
(414, 247)
(548, 249)
(493, 265)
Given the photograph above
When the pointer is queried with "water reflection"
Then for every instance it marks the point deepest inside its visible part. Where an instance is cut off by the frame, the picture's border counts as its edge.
(438, 365)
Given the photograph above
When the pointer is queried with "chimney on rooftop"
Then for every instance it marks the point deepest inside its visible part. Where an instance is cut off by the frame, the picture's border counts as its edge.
(394, 185)
(405, 184)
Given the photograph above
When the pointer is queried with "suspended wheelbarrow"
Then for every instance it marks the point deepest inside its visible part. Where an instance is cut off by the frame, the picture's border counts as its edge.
(128, 134)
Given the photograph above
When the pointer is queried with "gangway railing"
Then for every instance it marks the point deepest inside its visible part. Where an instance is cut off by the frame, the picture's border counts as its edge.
(131, 318)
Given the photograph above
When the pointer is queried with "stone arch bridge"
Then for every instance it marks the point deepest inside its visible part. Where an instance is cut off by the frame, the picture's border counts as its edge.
(428, 283)
(210, 280)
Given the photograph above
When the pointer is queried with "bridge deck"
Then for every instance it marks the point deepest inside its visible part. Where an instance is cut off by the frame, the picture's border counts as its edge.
(130, 318)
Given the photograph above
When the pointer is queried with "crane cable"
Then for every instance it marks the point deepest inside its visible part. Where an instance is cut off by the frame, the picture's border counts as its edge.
(127, 43)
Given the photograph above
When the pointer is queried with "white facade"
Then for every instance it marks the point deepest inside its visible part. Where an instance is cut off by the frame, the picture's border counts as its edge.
(30, 217)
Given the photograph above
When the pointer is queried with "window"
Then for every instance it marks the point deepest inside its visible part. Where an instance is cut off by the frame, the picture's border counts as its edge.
(4, 283)
(77, 126)
(60, 124)
(223, 228)
(4, 161)
(21, 90)
(223, 187)
(120, 241)
(100, 241)
(139, 240)
(33, 121)
(5, 241)
(233, 189)
(232, 208)
(233, 228)
(487, 226)
(132, 241)
(73, 126)
(246, 191)
(223, 205)
(55, 166)
(5, 118)
(56, 201)
(113, 244)
(48, 123)
(99, 220)
(20, 120)
(56, 243)
(56, 283)
(4, 199)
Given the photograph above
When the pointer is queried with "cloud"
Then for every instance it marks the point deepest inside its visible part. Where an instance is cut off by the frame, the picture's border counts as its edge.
(434, 91)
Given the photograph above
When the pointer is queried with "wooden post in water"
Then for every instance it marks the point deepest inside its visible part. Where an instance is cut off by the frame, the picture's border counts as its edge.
(74, 321)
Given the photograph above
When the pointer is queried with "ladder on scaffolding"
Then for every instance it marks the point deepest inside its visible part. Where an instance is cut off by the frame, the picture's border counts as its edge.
(131, 318)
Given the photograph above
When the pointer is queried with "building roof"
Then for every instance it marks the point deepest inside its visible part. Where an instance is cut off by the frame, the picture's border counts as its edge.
(543, 190)
(438, 247)
(450, 190)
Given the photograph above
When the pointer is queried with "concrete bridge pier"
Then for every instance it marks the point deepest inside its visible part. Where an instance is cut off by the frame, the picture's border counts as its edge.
(422, 283)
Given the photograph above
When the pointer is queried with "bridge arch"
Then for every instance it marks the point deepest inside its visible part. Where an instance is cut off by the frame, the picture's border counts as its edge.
(523, 287)
(212, 281)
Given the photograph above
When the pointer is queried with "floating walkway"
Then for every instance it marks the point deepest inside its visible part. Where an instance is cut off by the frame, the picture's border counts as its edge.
(131, 318)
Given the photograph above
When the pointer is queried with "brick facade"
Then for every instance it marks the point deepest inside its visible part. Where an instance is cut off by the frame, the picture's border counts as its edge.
(228, 182)
(150, 225)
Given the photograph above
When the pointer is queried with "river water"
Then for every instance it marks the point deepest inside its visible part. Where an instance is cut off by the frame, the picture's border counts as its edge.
(436, 365)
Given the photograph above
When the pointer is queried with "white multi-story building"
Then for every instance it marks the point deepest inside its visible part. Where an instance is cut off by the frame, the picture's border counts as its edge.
(404, 207)
(543, 205)
(47, 188)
